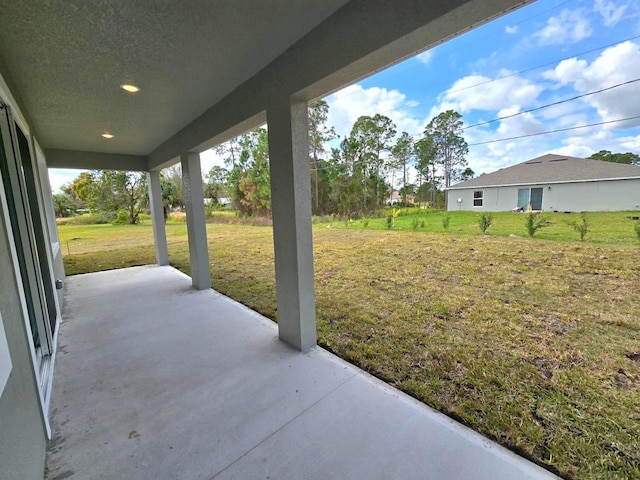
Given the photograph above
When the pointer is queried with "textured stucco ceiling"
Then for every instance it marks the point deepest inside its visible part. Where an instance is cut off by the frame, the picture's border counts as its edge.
(208, 69)
(67, 59)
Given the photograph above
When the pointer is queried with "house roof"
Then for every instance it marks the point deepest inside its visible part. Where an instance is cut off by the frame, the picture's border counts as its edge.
(551, 168)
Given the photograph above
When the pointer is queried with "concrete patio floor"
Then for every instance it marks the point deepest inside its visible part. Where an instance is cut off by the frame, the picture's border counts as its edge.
(154, 380)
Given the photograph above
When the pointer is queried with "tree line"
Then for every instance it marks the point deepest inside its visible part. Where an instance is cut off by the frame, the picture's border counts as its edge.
(353, 178)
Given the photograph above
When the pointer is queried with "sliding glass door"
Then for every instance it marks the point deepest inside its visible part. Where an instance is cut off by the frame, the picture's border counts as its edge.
(20, 186)
(530, 197)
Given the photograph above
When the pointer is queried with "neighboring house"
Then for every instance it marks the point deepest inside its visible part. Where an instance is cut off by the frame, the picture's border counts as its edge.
(226, 202)
(223, 201)
(552, 183)
(394, 196)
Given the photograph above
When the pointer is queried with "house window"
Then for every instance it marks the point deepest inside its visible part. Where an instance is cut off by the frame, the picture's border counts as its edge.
(478, 197)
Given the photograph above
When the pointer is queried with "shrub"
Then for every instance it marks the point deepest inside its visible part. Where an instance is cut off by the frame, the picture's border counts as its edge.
(406, 211)
(122, 217)
(96, 218)
(389, 222)
(422, 223)
(484, 222)
(365, 222)
(636, 229)
(415, 223)
(535, 221)
(65, 221)
(582, 227)
(445, 221)
(177, 217)
(316, 219)
(211, 207)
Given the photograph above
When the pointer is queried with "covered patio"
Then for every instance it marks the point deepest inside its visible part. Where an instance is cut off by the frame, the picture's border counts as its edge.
(157, 380)
(156, 375)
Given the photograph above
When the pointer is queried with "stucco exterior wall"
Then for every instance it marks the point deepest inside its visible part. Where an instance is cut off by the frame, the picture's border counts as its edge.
(607, 195)
(23, 417)
(22, 431)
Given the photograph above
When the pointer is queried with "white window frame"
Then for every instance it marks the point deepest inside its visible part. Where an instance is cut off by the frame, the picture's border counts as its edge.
(481, 198)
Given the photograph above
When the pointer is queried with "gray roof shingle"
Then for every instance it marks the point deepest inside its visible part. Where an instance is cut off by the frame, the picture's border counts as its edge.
(551, 168)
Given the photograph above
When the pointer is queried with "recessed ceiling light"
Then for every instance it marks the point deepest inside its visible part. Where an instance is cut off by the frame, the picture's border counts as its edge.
(107, 135)
(127, 87)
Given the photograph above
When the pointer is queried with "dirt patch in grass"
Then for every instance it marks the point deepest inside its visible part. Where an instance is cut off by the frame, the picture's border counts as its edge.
(533, 343)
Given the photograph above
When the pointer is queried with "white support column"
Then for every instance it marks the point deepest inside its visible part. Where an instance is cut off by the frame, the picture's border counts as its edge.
(157, 218)
(196, 226)
(292, 236)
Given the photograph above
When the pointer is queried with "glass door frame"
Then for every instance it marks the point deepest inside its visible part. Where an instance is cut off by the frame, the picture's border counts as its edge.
(23, 228)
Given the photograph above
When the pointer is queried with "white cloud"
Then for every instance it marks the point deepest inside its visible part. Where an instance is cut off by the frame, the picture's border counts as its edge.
(478, 92)
(511, 30)
(354, 101)
(575, 150)
(490, 157)
(585, 142)
(610, 12)
(615, 65)
(571, 26)
(208, 159)
(59, 177)
(506, 96)
(425, 57)
(566, 114)
(567, 71)
(629, 144)
(525, 124)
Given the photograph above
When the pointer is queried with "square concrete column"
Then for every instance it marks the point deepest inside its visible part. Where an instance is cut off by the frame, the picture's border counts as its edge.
(196, 226)
(157, 218)
(292, 236)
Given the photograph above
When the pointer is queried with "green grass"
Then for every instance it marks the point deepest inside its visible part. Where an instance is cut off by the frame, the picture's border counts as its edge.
(532, 342)
(604, 227)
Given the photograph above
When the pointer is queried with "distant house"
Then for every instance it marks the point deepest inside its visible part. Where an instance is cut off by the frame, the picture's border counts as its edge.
(551, 183)
(394, 197)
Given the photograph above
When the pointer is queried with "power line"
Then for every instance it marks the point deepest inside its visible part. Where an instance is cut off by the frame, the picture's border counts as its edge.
(543, 65)
(554, 131)
(526, 70)
(553, 104)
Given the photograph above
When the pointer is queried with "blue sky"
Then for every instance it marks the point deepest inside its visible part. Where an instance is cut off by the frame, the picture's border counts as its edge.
(546, 52)
(533, 40)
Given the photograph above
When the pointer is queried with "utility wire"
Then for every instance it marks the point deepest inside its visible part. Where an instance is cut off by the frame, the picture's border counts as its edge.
(554, 131)
(542, 65)
(526, 70)
(553, 104)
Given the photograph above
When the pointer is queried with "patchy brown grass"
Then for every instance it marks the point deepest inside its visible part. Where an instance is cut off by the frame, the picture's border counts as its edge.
(533, 343)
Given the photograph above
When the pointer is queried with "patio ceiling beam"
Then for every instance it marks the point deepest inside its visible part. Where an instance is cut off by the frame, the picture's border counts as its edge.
(360, 38)
(95, 160)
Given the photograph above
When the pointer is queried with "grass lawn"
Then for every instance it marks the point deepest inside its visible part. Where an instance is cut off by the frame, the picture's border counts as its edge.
(604, 227)
(533, 342)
